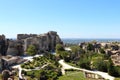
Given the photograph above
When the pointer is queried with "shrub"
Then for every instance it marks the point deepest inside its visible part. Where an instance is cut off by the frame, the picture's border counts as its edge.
(31, 50)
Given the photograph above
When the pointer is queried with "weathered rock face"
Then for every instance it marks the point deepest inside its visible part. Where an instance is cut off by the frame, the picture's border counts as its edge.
(115, 47)
(15, 48)
(43, 42)
(46, 42)
(24, 36)
(1, 65)
(3, 45)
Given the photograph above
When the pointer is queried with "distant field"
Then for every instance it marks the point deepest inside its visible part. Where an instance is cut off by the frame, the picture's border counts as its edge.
(73, 75)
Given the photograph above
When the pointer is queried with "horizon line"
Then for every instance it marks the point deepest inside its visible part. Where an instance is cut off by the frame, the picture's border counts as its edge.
(72, 38)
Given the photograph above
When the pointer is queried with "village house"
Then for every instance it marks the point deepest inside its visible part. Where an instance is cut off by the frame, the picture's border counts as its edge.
(116, 59)
(12, 60)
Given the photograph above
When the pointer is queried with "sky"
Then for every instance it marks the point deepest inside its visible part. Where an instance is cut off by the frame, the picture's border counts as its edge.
(70, 18)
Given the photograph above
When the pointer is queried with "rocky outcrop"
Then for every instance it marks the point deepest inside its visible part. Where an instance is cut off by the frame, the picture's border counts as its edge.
(15, 48)
(3, 45)
(42, 42)
(46, 42)
(24, 36)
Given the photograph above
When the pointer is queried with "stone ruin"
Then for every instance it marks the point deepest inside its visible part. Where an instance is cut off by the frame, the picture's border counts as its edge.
(15, 48)
(43, 42)
(3, 45)
(46, 42)
(24, 36)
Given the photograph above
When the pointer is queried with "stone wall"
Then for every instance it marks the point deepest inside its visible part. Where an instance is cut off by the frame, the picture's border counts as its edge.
(93, 76)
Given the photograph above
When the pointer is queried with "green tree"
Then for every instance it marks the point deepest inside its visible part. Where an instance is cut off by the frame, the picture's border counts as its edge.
(76, 52)
(31, 50)
(90, 47)
(65, 55)
(43, 75)
(102, 50)
(101, 65)
(59, 50)
(84, 62)
(59, 47)
(62, 53)
(111, 70)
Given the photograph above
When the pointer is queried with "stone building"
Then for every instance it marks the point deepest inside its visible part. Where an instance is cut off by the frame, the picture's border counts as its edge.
(12, 60)
(116, 59)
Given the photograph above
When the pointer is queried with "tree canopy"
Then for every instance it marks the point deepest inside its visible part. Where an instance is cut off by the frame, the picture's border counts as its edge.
(31, 50)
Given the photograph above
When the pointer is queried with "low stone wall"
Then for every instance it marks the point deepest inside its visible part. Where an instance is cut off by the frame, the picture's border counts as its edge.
(93, 76)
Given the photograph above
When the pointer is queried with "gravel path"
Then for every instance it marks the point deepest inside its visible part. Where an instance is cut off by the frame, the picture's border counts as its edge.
(66, 66)
(29, 58)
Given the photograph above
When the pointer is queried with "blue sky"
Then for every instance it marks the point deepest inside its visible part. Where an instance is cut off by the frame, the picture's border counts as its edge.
(70, 18)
